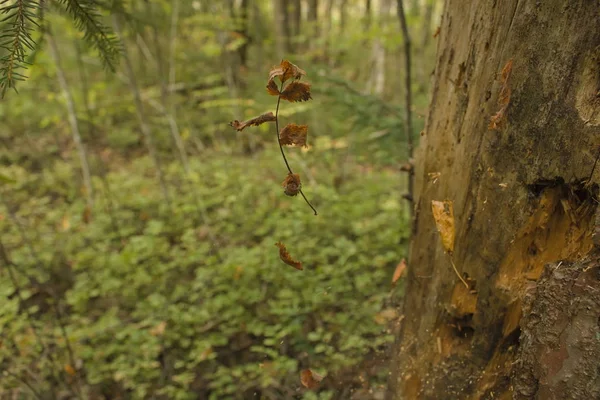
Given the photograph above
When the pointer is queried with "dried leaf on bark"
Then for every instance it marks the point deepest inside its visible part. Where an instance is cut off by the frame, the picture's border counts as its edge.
(443, 213)
(261, 119)
(296, 91)
(310, 379)
(287, 258)
(499, 117)
(293, 134)
(291, 184)
(399, 271)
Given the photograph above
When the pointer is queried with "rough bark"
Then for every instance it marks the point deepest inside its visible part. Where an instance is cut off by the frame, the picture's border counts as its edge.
(524, 196)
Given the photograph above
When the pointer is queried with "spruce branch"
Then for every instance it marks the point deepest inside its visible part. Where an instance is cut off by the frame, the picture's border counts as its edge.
(20, 17)
(87, 19)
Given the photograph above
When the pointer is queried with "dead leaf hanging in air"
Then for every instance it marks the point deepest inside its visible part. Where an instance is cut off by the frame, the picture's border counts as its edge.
(296, 91)
(293, 134)
(286, 70)
(287, 258)
(272, 88)
(310, 379)
(292, 185)
(261, 119)
(443, 213)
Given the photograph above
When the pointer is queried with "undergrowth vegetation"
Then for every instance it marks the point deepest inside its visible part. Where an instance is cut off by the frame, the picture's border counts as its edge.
(155, 306)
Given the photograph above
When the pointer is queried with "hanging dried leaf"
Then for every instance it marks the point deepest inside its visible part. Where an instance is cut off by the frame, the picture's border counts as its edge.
(399, 271)
(443, 213)
(293, 134)
(159, 329)
(286, 70)
(310, 379)
(272, 88)
(261, 119)
(296, 91)
(286, 258)
(292, 184)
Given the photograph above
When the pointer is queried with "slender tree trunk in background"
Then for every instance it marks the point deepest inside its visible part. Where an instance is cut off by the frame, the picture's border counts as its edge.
(73, 122)
(524, 196)
(368, 6)
(139, 108)
(312, 31)
(244, 31)
(328, 31)
(280, 30)
(427, 19)
(376, 83)
(343, 15)
(296, 21)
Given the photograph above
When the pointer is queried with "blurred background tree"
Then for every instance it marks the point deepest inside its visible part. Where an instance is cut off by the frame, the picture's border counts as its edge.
(138, 229)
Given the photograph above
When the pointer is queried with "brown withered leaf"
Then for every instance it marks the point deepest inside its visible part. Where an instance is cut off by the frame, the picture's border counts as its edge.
(443, 213)
(399, 271)
(86, 217)
(296, 91)
(286, 70)
(497, 120)
(261, 119)
(272, 88)
(310, 379)
(291, 184)
(293, 134)
(286, 258)
(70, 370)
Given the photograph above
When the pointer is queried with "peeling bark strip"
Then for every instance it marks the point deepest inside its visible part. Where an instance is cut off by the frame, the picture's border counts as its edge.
(560, 338)
(523, 198)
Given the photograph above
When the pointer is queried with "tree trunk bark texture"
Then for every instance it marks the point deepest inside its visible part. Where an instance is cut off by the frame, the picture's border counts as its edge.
(524, 195)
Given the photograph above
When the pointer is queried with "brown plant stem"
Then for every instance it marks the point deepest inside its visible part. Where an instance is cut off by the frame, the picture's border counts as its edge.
(408, 113)
(281, 146)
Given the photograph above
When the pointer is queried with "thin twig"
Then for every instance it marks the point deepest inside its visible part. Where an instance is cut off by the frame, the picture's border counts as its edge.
(457, 273)
(36, 394)
(281, 146)
(407, 112)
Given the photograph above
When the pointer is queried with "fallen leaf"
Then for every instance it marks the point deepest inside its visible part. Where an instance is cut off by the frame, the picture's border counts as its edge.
(296, 91)
(287, 258)
(159, 329)
(65, 224)
(261, 119)
(293, 134)
(399, 271)
(443, 213)
(70, 370)
(310, 379)
(291, 184)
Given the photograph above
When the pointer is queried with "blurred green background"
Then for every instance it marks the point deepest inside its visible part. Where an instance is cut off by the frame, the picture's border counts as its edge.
(125, 288)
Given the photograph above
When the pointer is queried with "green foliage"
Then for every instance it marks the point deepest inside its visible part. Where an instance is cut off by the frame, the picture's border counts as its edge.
(157, 307)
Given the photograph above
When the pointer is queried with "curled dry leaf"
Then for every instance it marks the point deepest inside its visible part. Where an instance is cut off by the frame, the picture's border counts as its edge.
(399, 271)
(310, 379)
(287, 258)
(443, 213)
(296, 91)
(292, 184)
(272, 88)
(293, 134)
(286, 70)
(261, 119)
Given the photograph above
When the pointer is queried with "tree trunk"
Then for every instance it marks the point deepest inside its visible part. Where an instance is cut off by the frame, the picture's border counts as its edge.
(524, 193)
(281, 33)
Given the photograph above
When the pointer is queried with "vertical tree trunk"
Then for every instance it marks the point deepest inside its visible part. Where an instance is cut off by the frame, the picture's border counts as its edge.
(524, 194)
(376, 83)
(281, 40)
(73, 121)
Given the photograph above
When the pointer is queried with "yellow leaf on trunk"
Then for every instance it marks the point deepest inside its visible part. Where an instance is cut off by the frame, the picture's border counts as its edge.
(443, 213)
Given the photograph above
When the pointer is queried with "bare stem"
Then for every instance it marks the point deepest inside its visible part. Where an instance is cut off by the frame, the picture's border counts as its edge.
(281, 147)
(408, 113)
